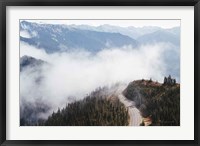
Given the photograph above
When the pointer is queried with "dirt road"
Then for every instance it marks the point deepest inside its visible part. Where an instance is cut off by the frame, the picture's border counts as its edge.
(135, 117)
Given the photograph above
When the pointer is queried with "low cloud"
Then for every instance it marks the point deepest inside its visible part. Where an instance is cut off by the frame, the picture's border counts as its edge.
(77, 73)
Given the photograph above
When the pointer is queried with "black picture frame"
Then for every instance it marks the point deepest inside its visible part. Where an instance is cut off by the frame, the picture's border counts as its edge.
(5, 3)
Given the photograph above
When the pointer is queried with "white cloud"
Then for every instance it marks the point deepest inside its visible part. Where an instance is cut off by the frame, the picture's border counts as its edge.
(79, 73)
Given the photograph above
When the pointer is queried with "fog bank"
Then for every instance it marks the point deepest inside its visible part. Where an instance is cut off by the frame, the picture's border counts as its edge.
(72, 75)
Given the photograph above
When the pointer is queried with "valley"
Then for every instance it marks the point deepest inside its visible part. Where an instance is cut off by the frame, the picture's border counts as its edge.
(78, 73)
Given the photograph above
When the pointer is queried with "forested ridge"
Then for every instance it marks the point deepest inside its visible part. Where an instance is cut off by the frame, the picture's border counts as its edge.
(160, 102)
(156, 101)
(93, 110)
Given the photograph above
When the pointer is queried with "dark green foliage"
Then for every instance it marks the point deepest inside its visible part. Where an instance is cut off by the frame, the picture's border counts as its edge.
(91, 111)
(160, 102)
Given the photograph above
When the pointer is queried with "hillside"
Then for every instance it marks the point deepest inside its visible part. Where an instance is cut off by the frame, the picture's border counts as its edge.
(31, 62)
(168, 36)
(63, 38)
(159, 102)
(100, 108)
(91, 111)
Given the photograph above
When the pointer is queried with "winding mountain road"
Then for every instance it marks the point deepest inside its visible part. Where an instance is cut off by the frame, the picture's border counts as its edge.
(134, 113)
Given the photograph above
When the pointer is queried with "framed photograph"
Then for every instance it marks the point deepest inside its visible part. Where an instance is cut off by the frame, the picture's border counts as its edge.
(99, 72)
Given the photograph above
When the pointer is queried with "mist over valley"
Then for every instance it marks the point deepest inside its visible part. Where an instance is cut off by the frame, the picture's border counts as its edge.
(68, 71)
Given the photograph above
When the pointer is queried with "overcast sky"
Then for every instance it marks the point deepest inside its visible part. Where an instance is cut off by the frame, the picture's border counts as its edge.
(122, 23)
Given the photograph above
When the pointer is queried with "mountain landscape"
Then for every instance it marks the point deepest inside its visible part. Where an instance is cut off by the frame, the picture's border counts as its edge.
(82, 75)
(62, 38)
(158, 102)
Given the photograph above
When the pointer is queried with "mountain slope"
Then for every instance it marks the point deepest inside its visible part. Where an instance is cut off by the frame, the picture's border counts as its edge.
(30, 62)
(168, 36)
(99, 108)
(131, 31)
(54, 38)
(160, 102)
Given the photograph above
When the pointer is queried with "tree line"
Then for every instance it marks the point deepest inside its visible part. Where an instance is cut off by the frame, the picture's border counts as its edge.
(93, 110)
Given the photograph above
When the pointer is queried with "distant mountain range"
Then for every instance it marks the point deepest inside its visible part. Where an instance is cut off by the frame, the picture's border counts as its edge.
(66, 38)
(168, 36)
(54, 38)
(152, 34)
(61, 38)
(131, 31)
